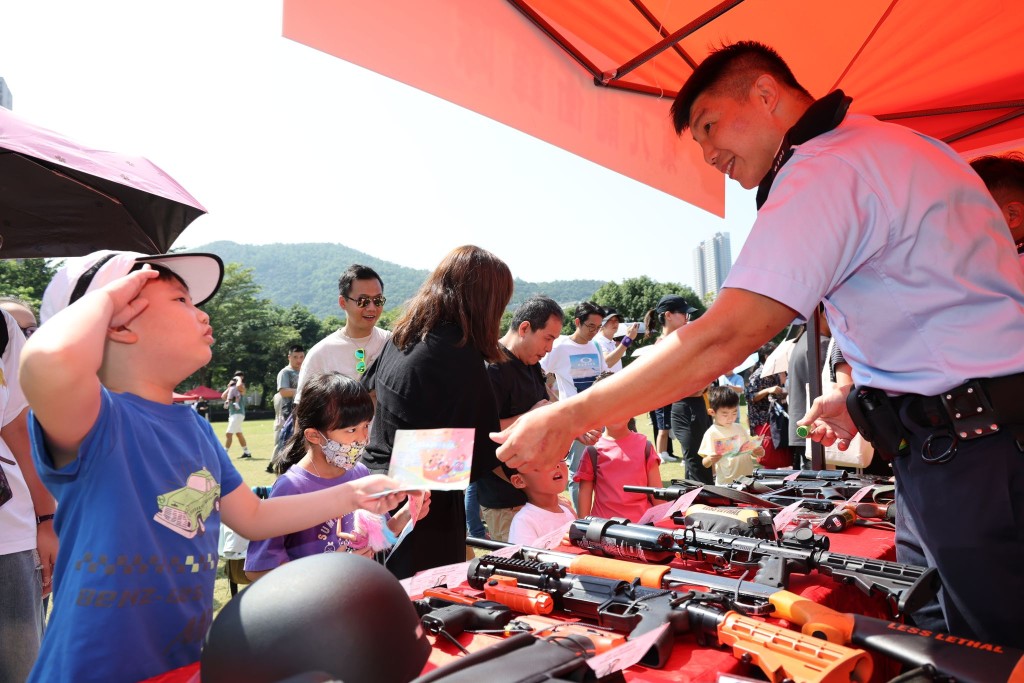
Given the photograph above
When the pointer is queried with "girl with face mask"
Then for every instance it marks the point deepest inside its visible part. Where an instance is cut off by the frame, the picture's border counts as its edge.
(332, 424)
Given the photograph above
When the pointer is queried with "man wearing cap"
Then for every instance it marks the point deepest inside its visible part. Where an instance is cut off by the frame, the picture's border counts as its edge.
(353, 348)
(903, 244)
(687, 418)
(614, 351)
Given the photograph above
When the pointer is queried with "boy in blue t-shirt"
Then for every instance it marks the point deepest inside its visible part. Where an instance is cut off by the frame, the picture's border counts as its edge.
(141, 483)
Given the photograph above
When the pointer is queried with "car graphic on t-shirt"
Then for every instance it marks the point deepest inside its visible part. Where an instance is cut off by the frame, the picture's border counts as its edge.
(185, 510)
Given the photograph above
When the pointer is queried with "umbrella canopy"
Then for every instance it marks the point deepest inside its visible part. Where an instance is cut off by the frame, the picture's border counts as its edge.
(203, 392)
(181, 398)
(750, 362)
(59, 198)
(948, 68)
(778, 360)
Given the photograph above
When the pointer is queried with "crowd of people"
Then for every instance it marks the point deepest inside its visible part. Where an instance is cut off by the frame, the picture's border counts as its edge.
(896, 248)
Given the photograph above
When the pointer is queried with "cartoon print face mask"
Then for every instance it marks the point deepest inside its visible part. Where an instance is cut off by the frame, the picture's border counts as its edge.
(343, 455)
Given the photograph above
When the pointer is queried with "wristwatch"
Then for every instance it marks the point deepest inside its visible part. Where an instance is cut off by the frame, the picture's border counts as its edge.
(43, 518)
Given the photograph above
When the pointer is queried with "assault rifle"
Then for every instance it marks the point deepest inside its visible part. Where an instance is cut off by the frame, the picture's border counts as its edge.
(906, 587)
(770, 501)
(947, 656)
(782, 654)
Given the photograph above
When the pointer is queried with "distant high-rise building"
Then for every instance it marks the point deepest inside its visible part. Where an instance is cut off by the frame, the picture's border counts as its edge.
(711, 263)
(6, 101)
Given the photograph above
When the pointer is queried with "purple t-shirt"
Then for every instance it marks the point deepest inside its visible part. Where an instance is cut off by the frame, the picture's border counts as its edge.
(322, 538)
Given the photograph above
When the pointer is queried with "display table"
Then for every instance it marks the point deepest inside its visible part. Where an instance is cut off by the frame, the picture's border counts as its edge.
(690, 662)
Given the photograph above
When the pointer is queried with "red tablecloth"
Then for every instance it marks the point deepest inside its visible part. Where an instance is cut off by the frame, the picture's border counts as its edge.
(693, 663)
(690, 662)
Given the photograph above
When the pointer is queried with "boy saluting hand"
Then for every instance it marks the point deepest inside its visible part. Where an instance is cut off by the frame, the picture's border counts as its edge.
(141, 483)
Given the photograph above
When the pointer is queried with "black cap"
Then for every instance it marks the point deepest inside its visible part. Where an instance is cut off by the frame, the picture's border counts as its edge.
(610, 313)
(673, 303)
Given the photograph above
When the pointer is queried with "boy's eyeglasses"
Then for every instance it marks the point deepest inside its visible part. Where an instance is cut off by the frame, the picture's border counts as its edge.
(361, 359)
(364, 301)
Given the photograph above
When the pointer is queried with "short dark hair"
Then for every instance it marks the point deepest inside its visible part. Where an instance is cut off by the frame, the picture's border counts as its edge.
(1003, 173)
(357, 272)
(238, 373)
(537, 310)
(585, 309)
(730, 69)
(296, 348)
(722, 397)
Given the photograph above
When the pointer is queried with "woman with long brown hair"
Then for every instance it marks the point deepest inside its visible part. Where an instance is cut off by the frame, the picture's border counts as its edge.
(431, 374)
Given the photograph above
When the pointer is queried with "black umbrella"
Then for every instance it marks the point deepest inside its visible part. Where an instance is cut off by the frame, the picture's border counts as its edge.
(59, 198)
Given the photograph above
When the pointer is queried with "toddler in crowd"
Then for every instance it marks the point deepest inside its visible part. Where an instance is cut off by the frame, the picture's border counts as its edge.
(141, 483)
(727, 447)
(545, 509)
(620, 457)
(332, 425)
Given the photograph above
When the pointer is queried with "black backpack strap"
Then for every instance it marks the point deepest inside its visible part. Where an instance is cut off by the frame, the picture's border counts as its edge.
(591, 452)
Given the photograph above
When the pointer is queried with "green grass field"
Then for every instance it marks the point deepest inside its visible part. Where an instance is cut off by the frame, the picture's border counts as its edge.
(259, 435)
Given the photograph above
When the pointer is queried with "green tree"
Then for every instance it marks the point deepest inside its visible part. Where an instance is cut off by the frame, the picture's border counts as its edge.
(26, 278)
(252, 335)
(307, 326)
(635, 296)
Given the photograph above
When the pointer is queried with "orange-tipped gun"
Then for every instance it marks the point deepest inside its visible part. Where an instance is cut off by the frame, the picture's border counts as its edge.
(782, 654)
(960, 659)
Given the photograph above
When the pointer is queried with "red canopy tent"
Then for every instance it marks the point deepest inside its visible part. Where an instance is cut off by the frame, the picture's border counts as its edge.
(948, 68)
(203, 392)
(179, 398)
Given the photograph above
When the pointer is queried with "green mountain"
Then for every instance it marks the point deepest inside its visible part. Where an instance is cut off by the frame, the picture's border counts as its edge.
(308, 273)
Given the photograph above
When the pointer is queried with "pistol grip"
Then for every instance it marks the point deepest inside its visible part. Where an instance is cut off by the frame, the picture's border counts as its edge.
(814, 619)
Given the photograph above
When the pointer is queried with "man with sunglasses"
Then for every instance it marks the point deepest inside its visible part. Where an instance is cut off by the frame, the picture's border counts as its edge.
(353, 348)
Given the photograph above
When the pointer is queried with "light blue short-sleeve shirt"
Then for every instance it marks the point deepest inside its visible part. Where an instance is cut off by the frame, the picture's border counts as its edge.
(903, 243)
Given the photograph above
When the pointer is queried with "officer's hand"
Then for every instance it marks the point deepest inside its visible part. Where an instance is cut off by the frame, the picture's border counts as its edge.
(829, 420)
(537, 440)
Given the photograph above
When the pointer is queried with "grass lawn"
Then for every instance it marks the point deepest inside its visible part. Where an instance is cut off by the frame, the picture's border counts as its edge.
(259, 435)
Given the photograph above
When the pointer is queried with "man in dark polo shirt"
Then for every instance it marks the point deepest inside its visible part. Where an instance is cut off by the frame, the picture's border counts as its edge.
(518, 388)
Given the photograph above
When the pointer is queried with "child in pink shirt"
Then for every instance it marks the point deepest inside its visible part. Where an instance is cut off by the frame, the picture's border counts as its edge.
(620, 457)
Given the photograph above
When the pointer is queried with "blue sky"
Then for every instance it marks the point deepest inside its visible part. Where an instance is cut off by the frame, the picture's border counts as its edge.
(282, 143)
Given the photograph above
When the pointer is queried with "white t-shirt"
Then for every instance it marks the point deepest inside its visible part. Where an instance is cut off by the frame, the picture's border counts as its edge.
(18, 516)
(575, 366)
(337, 353)
(532, 522)
(607, 346)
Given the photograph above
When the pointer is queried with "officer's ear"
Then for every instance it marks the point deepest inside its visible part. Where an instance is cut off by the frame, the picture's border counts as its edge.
(1014, 214)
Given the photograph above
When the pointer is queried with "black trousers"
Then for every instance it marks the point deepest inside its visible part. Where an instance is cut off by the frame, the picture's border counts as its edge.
(966, 518)
(690, 420)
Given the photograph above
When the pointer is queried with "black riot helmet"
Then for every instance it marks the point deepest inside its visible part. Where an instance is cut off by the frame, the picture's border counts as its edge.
(337, 614)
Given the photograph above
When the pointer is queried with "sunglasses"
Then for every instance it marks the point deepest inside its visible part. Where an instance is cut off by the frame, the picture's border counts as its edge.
(361, 357)
(364, 301)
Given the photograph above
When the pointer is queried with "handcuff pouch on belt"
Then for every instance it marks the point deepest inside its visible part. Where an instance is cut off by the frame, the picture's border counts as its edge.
(876, 419)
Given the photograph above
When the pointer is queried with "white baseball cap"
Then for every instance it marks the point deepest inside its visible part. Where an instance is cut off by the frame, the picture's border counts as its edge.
(201, 273)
